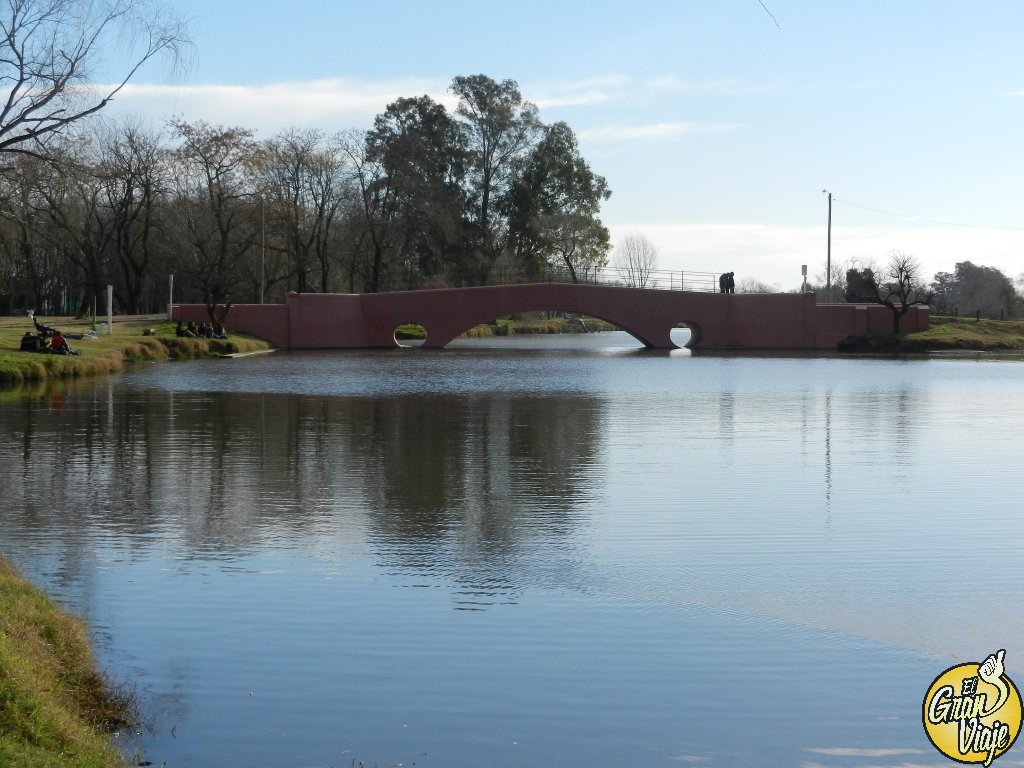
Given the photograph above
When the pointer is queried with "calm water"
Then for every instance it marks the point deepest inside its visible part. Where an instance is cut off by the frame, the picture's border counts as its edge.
(530, 552)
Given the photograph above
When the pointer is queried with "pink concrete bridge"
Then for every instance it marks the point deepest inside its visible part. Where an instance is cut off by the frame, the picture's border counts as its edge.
(716, 320)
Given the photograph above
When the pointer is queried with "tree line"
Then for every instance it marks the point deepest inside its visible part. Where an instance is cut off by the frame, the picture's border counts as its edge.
(900, 283)
(425, 198)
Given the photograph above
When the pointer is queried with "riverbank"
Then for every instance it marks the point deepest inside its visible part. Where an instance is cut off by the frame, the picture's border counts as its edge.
(131, 339)
(57, 709)
(945, 334)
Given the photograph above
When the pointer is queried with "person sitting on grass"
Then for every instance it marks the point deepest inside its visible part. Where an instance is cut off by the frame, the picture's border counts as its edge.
(30, 342)
(59, 345)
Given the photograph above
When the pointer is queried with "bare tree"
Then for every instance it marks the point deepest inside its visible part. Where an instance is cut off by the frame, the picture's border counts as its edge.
(302, 176)
(132, 170)
(50, 49)
(32, 252)
(898, 286)
(216, 173)
(77, 228)
(635, 258)
(372, 213)
(821, 284)
(753, 285)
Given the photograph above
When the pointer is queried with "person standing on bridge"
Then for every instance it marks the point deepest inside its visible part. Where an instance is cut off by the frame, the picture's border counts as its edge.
(730, 282)
(721, 282)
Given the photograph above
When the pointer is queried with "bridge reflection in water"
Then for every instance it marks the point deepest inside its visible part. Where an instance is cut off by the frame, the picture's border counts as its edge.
(716, 320)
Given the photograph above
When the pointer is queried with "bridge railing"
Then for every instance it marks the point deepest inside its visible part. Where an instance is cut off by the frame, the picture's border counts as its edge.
(664, 279)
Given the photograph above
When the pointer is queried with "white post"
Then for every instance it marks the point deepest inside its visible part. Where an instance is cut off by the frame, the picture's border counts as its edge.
(110, 310)
(170, 295)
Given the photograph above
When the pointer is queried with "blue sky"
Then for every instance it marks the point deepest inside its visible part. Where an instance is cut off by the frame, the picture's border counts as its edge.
(716, 128)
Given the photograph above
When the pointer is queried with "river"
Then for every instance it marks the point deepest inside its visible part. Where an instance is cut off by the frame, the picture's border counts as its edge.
(562, 551)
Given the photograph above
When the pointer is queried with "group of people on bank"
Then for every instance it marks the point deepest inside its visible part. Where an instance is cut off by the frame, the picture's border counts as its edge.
(47, 340)
(200, 330)
(727, 282)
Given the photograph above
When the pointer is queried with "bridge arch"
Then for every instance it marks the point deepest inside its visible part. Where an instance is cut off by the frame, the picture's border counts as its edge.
(440, 333)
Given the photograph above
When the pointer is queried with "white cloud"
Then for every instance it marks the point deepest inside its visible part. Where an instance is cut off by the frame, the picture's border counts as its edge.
(588, 92)
(674, 84)
(652, 131)
(612, 89)
(330, 104)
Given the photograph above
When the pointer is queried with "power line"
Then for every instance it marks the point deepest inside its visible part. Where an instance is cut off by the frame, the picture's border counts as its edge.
(770, 14)
(923, 220)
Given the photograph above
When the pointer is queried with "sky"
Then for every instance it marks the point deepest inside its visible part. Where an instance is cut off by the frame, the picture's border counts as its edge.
(717, 124)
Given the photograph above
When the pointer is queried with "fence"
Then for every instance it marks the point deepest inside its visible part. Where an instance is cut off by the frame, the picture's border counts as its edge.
(664, 279)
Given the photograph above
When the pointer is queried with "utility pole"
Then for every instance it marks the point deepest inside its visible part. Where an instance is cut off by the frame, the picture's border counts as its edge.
(828, 257)
(263, 249)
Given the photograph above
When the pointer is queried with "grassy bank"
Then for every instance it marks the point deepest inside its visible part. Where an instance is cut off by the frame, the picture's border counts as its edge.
(107, 352)
(55, 708)
(949, 333)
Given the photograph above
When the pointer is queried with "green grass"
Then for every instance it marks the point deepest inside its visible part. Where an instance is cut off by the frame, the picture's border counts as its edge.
(107, 353)
(945, 334)
(527, 323)
(537, 323)
(964, 333)
(55, 708)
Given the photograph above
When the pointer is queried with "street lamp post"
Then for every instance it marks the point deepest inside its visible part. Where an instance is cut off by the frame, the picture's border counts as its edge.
(828, 257)
(263, 249)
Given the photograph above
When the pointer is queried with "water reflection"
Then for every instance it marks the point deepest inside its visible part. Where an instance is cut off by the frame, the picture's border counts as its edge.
(430, 482)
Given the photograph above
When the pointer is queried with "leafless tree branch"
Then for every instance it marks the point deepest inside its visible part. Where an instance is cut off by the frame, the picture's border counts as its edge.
(49, 50)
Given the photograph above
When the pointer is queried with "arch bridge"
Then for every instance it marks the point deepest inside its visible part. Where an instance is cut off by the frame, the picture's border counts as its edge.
(716, 320)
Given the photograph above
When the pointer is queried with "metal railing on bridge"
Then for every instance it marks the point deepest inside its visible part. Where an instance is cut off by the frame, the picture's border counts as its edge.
(663, 279)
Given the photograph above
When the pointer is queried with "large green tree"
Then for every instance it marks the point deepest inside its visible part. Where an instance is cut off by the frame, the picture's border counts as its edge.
(421, 153)
(973, 288)
(501, 129)
(554, 206)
